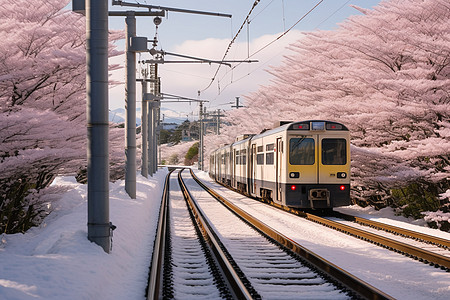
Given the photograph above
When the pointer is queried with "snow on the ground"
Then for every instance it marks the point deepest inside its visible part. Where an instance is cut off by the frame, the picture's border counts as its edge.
(56, 261)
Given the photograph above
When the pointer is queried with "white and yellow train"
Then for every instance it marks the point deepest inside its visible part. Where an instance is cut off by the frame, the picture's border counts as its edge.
(299, 164)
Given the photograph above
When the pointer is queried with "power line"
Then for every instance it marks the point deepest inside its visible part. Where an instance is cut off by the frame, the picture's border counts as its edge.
(231, 43)
(276, 39)
(285, 32)
(261, 11)
(261, 65)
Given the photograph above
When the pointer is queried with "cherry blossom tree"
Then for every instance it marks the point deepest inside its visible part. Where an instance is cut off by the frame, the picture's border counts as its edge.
(42, 104)
(386, 75)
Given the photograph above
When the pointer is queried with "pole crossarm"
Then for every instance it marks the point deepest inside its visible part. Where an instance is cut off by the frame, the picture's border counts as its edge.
(146, 80)
(170, 96)
(163, 8)
(153, 52)
(137, 13)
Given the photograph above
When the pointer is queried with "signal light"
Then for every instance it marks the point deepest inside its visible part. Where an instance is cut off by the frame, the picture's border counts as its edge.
(293, 187)
(342, 187)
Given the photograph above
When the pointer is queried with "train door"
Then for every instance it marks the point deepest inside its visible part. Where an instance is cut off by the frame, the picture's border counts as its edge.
(233, 168)
(252, 169)
(278, 168)
(216, 167)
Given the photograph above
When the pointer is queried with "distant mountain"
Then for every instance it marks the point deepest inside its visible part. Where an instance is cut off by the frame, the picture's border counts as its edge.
(117, 115)
(170, 116)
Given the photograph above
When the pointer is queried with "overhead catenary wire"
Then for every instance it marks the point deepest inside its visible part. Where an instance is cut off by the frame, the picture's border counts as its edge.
(260, 49)
(231, 43)
(268, 44)
(286, 31)
(261, 65)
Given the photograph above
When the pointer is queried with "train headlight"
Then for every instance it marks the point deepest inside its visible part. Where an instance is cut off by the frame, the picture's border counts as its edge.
(341, 175)
(294, 175)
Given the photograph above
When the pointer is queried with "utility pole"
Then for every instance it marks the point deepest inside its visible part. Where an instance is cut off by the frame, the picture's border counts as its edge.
(130, 104)
(200, 144)
(99, 226)
(218, 121)
(217, 116)
(153, 100)
(144, 125)
(156, 91)
(237, 104)
(150, 99)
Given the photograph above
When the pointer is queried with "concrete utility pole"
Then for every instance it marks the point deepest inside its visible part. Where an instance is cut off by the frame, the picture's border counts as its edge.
(130, 105)
(149, 98)
(99, 226)
(200, 144)
(156, 105)
(144, 126)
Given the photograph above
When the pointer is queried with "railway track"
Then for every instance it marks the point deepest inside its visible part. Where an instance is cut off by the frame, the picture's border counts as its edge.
(418, 236)
(255, 261)
(425, 248)
(182, 266)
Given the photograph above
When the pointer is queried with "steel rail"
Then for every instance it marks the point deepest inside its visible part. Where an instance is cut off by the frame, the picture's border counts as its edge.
(235, 282)
(425, 256)
(409, 250)
(396, 230)
(155, 273)
(346, 279)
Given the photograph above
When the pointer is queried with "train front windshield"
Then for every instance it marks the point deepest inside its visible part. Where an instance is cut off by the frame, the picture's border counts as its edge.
(334, 152)
(302, 151)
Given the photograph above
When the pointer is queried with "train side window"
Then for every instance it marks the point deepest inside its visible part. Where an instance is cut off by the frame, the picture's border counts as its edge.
(301, 151)
(260, 159)
(260, 148)
(269, 158)
(270, 147)
(334, 151)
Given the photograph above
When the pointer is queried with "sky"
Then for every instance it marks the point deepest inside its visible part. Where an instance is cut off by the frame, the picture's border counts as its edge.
(209, 36)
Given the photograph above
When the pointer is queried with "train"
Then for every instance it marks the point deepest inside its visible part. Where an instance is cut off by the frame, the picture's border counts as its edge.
(302, 165)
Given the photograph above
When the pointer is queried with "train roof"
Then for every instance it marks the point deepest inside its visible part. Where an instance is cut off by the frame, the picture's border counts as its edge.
(294, 126)
(305, 125)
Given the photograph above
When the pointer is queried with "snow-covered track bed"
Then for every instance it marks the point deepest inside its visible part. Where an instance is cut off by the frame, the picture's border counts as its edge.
(408, 243)
(405, 246)
(185, 269)
(419, 236)
(275, 266)
(428, 249)
(436, 245)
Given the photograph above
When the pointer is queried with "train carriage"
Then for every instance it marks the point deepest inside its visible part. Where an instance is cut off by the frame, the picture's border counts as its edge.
(300, 164)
